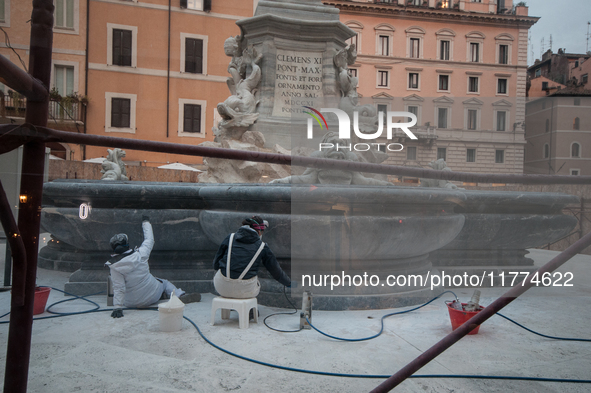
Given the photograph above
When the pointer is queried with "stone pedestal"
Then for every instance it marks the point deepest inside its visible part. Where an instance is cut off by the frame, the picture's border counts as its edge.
(298, 41)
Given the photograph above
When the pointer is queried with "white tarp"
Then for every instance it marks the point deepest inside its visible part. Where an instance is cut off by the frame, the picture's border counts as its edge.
(98, 160)
(179, 167)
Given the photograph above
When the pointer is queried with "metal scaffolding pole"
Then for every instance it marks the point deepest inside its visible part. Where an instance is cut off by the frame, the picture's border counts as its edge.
(482, 316)
(21, 316)
(27, 132)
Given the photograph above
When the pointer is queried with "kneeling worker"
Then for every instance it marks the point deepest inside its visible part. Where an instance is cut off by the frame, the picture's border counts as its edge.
(238, 259)
(133, 285)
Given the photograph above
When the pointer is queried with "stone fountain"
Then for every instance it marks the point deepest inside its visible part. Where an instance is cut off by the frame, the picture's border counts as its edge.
(323, 222)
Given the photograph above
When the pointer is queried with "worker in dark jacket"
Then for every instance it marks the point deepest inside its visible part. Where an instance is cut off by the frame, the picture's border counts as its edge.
(238, 260)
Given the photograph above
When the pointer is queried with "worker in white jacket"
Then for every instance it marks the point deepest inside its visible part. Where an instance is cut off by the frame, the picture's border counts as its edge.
(133, 285)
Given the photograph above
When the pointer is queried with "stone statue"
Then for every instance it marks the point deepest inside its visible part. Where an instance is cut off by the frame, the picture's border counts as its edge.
(368, 117)
(238, 112)
(368, 114)
(439, 165)
(113, 166)
(333, 176)
(236, 68)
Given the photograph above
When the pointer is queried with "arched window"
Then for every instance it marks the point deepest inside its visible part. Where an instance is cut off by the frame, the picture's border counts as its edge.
(546, 151)
(384, 39)
(575, 150)
(547, 125)
(414, 42)
(576, 123)
(445, 40)
(357, 27)
(474, 49)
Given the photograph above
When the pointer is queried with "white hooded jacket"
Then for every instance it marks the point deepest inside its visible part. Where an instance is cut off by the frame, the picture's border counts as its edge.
(133, 285)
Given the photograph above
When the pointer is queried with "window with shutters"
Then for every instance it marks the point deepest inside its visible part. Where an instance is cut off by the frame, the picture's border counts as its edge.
(475, 52)
(442, 118)
(414, 108)
(411, 153)
(64, 14)
(577, 123)
(63, 79)
(442, 153)
(444, 46)
(472, 119)
(503, 54)
(502, 86)
(384, 45)
(470, 155)
(3, 13)
(192, 118)
(197, 5)
(383, 78)
(575, 150)
(501, 124)
(443, 83)
(120, 112)
(473, 84)
(193, 53)
(121, 45)
(413, 81)
(499, 156)
(415, 48)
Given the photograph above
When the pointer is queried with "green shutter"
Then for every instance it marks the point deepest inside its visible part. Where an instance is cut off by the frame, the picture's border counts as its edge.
(69, 14)
(59, 13)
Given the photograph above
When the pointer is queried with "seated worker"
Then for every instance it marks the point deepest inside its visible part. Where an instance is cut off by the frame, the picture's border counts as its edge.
(238, 260)
(133, 285)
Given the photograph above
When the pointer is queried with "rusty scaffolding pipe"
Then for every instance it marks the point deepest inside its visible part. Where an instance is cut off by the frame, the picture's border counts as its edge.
(20, 81)
(482, 316)
(50, 135)
(18, 350)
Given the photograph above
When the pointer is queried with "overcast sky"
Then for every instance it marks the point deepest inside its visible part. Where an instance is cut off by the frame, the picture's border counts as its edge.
(566, 20)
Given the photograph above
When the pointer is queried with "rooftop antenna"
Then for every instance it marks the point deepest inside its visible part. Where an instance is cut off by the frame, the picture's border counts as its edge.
(550, 41)
(588, 24)
(542, 48)
(531, 47)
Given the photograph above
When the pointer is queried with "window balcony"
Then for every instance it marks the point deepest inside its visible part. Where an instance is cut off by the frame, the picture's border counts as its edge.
(64, 110)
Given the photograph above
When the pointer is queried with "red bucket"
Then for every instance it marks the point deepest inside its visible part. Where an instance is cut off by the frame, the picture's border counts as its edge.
(458, 317)
(41, 295)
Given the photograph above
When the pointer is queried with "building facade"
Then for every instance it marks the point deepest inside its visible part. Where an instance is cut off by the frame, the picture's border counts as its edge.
(151, 70)
(558, 67)
(68, 79)
(459, 66)
(558, 134)
(157, 72)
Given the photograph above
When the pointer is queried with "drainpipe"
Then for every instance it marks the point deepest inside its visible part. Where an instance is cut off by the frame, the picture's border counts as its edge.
(168, 71)
(86, 72)
(550, 168)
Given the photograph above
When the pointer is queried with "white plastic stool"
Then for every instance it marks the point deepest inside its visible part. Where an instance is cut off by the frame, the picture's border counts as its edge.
(242, 306)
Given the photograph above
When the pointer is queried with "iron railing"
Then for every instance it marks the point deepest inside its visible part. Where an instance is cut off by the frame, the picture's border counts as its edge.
(12, 105)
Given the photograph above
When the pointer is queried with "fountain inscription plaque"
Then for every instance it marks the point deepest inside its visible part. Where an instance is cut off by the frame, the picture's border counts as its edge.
(298, 81)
